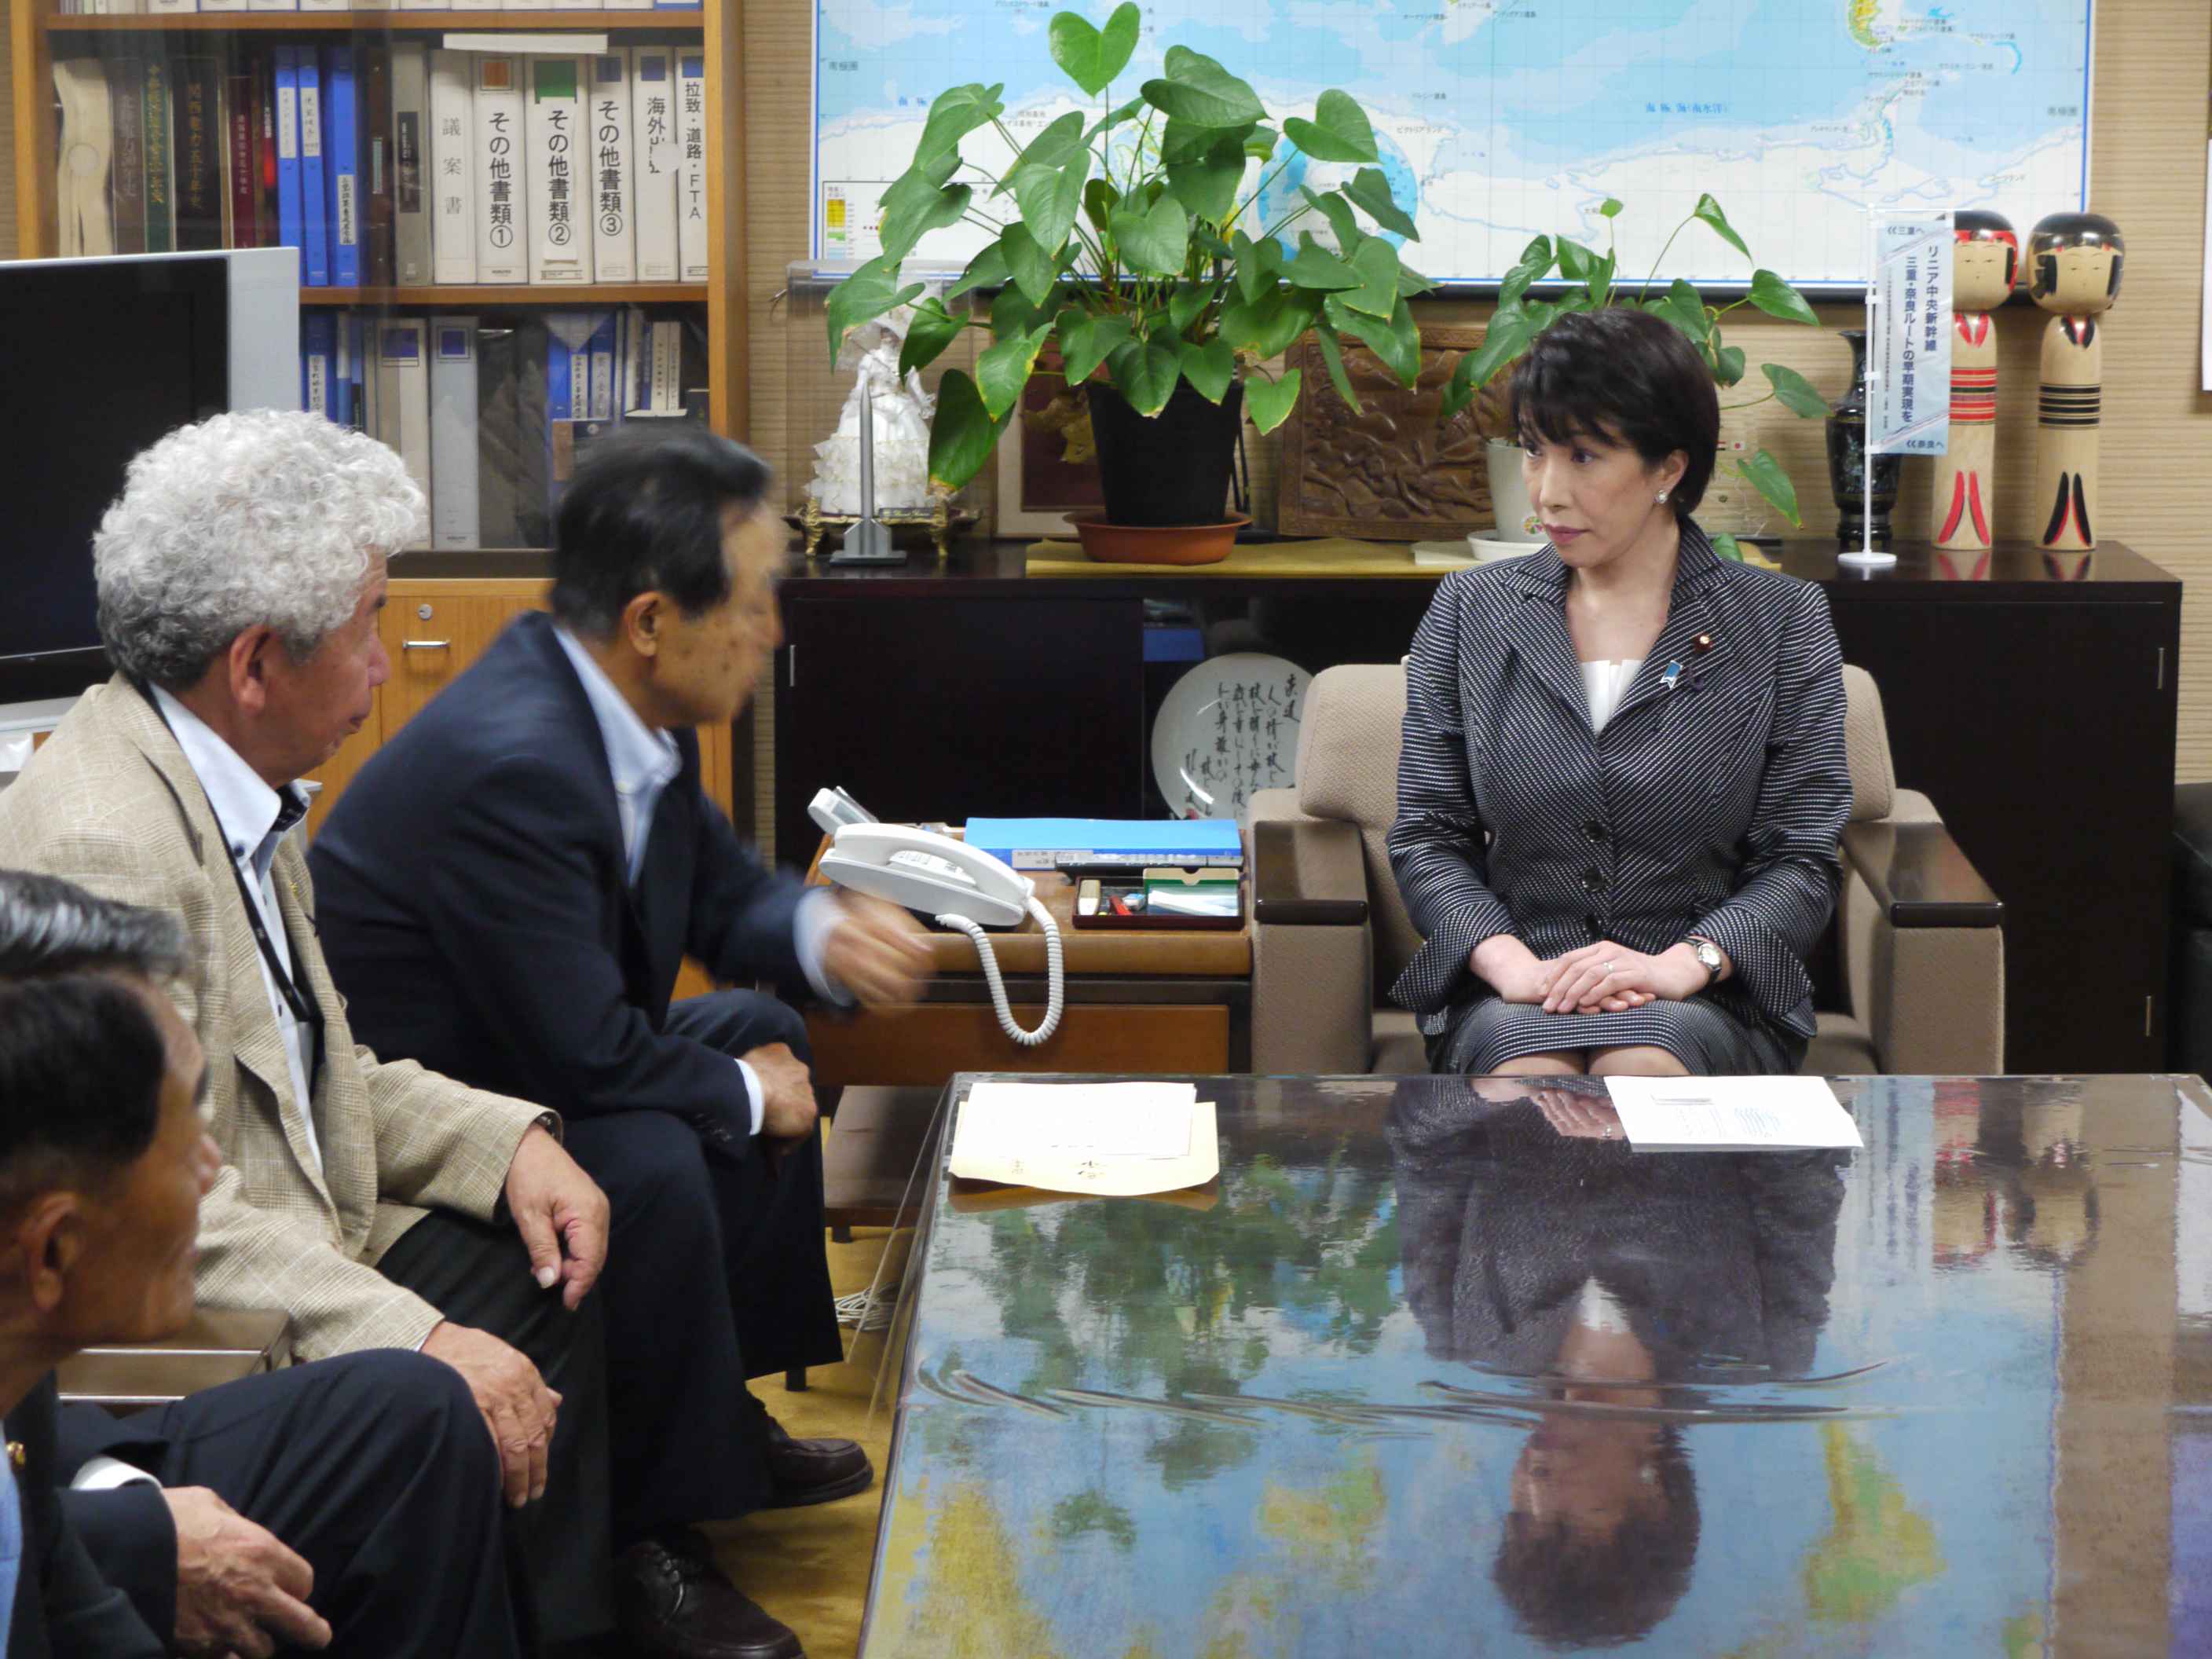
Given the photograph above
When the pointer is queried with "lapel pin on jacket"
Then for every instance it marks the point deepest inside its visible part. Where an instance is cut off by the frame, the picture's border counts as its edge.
(1702, 644)
(1674, 671)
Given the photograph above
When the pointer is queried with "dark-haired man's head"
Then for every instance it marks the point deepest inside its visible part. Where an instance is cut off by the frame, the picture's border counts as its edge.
(665, 560)
(104, 1157)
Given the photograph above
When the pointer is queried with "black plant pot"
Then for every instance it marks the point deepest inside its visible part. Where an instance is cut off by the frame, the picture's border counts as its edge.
(1846, 456)
(1171, 468)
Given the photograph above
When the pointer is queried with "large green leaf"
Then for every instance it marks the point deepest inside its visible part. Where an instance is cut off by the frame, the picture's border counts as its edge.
(1030, 266)
(1575, 261)
(1186, 302)
(1055, 147)
(1086, 340)
(1144, 372)
(1794, 391)
(1205, 183)
(1395, 340)
(1267, 327)
(1269, 403)
(920, 201)
(1316, 268)
(1184, 141)
(1600, 284)
(1610, 208)
(961, 433)
(987, 270)
(1505, 338)
(1535, 261)
(1099, 200)
(1340, 130)
(1371, 191)
(1259, 143)
(1342, 219)
(1778, 299)
(933, 328)
(1155, 243)
(1682, 305)
(1377, 261)
(1728, 364)
(957, 112)
(1003, 370)
(1049, 199)
(865, 295)
(1727, 546)
(1092, 57)
(1209, 367)
(1710, 210)
(1257, 263)
(1014, 313)
(1768, 478)
(1332, 356)
(1411, 282)
(1198, 90)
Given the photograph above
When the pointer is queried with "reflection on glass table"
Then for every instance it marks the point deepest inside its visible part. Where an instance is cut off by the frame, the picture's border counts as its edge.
(1428, 1370)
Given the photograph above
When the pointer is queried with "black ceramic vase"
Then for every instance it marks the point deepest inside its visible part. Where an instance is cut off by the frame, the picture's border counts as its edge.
(1173, 467)
(1847, 425)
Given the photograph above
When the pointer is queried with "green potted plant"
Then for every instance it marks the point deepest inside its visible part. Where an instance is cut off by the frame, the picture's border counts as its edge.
(1589, 275)
(1133, 240)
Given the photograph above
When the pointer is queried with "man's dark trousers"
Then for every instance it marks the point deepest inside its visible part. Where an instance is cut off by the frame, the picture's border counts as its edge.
(686, 1449)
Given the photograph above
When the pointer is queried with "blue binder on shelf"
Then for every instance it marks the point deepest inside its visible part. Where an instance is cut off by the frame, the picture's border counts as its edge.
(1040, 843)
(287, 153)
(342, 166)
(353, 392)
(314, 220)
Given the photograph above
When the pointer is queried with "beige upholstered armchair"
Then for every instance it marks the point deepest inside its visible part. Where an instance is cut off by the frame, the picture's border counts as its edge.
(1919, 934)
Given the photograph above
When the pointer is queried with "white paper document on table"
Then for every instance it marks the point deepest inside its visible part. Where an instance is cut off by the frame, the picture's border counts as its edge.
(1122, 1138)
(1731, 1114)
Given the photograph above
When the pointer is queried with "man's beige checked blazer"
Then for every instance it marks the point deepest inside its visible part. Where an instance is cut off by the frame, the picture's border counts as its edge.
(110, 803)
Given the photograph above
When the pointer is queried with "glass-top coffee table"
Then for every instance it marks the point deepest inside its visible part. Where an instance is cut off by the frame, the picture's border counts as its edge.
(1432, 1369)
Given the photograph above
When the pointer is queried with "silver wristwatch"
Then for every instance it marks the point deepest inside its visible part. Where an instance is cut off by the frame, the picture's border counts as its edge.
(1709, 957)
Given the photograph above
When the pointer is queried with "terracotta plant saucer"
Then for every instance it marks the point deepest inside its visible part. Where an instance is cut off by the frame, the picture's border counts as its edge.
(1176, 543)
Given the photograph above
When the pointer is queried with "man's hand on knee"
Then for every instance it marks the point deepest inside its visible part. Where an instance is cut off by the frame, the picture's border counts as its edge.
(561, 1213)
(240, 1590)
(518, 1407)
(787, 1109)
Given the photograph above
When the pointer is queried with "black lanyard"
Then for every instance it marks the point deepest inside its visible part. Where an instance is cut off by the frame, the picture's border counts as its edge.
(303, 1007)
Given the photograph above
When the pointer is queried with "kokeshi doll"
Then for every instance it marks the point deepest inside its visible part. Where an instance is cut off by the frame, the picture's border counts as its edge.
(2073, 263)
(1983, 267)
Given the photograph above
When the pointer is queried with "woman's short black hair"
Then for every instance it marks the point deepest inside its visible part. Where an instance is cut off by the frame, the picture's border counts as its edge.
(644, 514)
(1622, 374)
(82, 1061)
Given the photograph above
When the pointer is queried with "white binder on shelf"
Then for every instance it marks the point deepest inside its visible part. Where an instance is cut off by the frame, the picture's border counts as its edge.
(454, 524)
(691, 175)
(614, 236)
(453, 170)
(403, 398)
(502, 182)
(560, 172)
(656, 160)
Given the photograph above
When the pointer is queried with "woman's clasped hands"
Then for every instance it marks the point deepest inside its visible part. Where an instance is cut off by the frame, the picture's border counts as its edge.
(1601, 978)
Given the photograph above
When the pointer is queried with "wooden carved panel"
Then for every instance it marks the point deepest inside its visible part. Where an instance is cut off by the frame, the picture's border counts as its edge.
(1389, 473)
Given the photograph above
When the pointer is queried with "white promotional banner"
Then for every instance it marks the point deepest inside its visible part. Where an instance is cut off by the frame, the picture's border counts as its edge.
(1908, 335)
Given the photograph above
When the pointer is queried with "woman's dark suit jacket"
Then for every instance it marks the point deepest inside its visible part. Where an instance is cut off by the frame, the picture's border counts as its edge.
(1712, 808)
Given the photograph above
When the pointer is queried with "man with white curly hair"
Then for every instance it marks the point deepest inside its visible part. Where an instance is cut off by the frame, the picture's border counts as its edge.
(381, 1205)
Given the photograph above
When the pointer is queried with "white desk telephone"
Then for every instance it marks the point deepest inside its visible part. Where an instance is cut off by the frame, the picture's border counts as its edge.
(958, 885)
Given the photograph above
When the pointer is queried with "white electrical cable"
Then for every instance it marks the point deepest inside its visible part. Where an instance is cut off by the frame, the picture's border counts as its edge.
(1053, 974)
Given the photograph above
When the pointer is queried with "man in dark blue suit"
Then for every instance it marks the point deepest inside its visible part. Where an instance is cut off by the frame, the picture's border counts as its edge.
(507, 892)
(350, 1505)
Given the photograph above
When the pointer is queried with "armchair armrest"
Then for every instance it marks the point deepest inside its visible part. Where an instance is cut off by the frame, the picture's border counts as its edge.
(1918, 875)
(1307, 874)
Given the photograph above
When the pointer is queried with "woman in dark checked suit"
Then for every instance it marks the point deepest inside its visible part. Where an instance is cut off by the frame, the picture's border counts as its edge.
(1623, 773)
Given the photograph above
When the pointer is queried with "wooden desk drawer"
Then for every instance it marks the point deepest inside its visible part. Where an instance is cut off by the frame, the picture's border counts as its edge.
(926, 1044)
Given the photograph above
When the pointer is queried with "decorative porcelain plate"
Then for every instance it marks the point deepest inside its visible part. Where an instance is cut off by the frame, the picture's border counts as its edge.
(1228, 727)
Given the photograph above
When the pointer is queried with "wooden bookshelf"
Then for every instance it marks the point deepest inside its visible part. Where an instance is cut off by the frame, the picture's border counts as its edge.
(679, 20)
(456, 294)
(37, 31)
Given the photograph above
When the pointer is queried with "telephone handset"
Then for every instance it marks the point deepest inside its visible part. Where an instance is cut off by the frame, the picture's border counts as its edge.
(958, 885)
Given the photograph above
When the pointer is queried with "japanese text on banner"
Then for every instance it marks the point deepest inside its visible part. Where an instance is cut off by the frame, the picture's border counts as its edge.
(1909, 345)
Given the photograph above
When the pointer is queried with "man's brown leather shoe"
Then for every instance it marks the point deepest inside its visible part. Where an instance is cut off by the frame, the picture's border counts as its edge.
(672, 1599)
(812, 1471)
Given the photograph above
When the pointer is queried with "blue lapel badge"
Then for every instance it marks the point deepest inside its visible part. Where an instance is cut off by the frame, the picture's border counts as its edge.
(1674, 672)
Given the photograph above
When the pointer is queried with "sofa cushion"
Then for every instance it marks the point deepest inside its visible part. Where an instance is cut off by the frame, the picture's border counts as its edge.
(1399, 1050)
(1843, 1047)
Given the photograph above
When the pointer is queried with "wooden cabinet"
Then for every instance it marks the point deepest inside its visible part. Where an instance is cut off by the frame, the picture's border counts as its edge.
(432, 630)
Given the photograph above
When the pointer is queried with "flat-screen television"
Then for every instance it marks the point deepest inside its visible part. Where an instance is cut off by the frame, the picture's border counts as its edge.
(98, 359)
